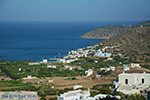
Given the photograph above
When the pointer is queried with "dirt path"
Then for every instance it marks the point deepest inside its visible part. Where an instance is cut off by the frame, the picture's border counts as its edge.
(147, 70)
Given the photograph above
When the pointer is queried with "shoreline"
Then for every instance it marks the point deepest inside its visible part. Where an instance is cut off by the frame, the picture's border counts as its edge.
(94, 37)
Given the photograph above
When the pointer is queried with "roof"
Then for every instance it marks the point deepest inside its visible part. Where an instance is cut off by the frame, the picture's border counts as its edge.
(134, 73)
(104, 95)
(70, 93)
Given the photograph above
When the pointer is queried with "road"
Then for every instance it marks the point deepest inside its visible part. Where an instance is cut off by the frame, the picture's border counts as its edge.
(147, 70)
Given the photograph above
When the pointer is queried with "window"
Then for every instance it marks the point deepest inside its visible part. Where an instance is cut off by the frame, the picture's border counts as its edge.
(126, 81)
(142, 80)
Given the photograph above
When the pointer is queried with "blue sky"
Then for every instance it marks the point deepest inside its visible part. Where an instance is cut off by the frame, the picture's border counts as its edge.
(74, 10)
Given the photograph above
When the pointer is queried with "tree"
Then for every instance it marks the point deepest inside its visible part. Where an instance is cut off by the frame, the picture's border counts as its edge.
(34, 60)
(43, 98)
(2, 60)
(136, 97)
(105, 90)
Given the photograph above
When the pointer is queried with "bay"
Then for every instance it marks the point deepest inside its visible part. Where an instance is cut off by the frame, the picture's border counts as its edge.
(29, 40)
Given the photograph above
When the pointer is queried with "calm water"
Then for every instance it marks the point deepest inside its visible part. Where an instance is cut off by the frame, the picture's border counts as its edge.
(37, 40)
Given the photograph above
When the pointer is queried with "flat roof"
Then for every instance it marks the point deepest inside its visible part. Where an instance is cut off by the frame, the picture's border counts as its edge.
(134, 73)
(70, 93)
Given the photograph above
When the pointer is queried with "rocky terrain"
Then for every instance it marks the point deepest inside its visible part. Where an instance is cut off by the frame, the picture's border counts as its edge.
(107, 32)
(134, 44)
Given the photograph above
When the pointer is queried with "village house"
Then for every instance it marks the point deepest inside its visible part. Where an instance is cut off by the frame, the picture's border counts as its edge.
(130, 83)
(96, 97)
(29, 77)
(126, 68)
(82, 95)
(89, 72)
(44, 61)
(77, 86)
(33, 63)
(107, 69)
(67, 67)
(133, 65)
(51, 66)
(100, 54)
(75, 95)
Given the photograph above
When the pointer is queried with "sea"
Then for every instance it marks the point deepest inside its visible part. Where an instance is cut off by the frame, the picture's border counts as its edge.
(37, 40)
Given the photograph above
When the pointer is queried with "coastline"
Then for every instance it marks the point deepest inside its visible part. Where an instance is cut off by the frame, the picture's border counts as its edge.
(94, 37)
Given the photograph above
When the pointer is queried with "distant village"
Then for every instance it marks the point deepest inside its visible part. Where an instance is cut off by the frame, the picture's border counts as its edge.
(127, 83)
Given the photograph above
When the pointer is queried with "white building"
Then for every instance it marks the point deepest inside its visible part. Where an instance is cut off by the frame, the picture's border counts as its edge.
(134, 78)
(33, 63)
(45, 61)
(74, 95)
(102, 69)
(29, 77)
(67, 67)
(126, 68)
(89, 72)
(133, 65)
(100, 54)
(109, 58)
(19, 69)
(108, 69)
(77, 86)
(70, 68)
(98, 76)
(130, 83)
(96, 61)
(104, 96)
(112, 68)
(51, 66)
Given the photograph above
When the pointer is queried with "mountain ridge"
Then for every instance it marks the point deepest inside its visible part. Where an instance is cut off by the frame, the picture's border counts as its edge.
(107, 32)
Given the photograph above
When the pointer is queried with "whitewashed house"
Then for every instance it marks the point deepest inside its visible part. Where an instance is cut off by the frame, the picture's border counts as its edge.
(108, 69)
(96, 61)
(100, 54)
(112, 68)
(67, 67)
(74, 95)
(45, 61)
(89, 72)
(29, 77)
(130, 83)
(77, 86)
(51, 66)
(126, 68)
(133, 65)
(70, 68)
(19, 69)
(105, 95)
(101, 69)
(34, 63)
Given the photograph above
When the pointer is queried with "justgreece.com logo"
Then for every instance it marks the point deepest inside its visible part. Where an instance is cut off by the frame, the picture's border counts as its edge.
(18, 95)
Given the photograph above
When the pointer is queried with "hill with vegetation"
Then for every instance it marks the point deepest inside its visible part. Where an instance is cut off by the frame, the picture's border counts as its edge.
(134, 44)
(107, 32)
(144, 24)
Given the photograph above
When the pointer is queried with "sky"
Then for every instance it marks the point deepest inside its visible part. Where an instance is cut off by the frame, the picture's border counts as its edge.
(75, 10)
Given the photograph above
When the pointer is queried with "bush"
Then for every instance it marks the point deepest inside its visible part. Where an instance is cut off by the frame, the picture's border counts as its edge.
(74, 78)
(105, 90)
(136, 97)
(55, 98)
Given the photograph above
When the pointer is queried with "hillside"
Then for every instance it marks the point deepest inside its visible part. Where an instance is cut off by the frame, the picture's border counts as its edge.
(134, 44)
(110, 31)
(106, 32)
(144, 24)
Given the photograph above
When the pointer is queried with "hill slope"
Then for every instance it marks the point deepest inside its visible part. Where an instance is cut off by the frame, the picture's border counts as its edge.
(134, 44)
(110, 31)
